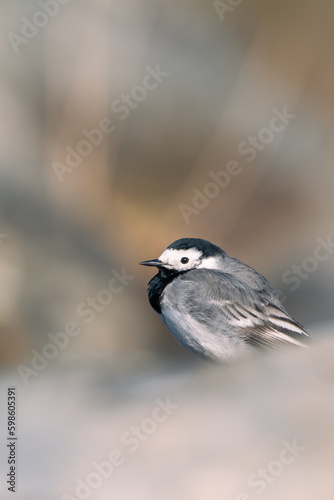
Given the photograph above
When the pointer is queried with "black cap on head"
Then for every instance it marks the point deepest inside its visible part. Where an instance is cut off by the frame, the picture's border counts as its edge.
(208, 249)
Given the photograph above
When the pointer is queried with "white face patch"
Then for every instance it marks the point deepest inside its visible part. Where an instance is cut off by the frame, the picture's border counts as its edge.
(172, 258)
(211, 263)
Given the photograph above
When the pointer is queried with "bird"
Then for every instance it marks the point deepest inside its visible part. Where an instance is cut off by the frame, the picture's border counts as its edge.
(216, 306)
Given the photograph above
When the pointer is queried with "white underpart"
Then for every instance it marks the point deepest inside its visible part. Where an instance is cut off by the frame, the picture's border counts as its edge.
(198, 338)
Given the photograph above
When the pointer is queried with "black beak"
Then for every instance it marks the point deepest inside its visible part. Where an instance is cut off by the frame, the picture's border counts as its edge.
(153, 262)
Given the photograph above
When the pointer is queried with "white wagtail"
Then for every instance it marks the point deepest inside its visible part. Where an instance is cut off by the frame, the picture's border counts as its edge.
(216, 306)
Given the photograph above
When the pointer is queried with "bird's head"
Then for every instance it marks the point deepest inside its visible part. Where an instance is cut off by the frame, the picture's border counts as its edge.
(186, 254)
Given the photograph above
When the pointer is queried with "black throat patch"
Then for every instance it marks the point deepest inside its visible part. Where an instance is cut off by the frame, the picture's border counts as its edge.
(157, 285)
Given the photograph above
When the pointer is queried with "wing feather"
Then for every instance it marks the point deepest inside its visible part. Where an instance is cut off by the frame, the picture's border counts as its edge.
(231, 305)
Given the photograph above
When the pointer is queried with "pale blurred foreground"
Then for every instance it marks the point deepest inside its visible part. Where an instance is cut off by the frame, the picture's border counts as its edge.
(216, 430)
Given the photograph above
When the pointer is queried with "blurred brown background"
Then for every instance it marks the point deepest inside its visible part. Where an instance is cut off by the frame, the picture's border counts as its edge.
(63, 67)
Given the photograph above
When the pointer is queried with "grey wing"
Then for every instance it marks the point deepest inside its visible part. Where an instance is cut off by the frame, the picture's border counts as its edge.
(227, 303)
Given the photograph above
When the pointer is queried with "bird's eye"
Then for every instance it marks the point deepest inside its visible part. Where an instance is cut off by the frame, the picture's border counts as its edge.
(184, 260)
